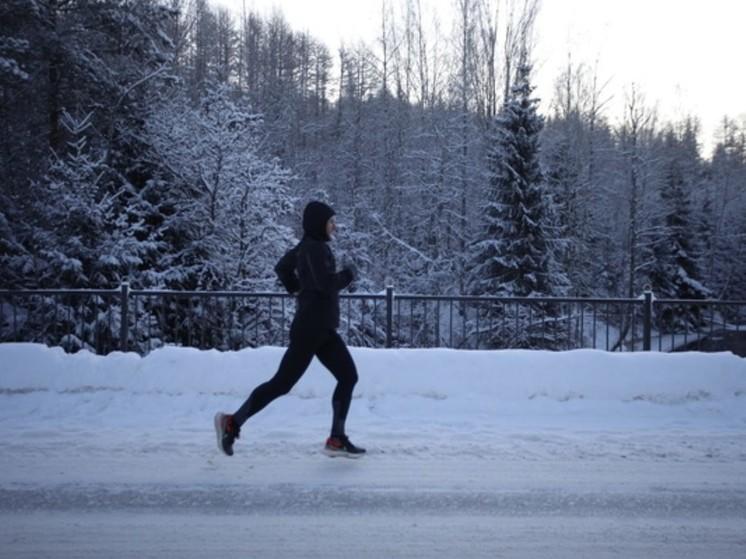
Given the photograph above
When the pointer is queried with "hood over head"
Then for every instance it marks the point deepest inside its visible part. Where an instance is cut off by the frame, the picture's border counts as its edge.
(315, 217)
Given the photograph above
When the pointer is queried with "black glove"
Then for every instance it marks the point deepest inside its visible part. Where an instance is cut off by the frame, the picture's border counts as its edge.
(349, 265)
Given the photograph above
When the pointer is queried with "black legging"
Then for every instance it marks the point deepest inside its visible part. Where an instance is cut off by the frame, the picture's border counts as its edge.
(333, 354)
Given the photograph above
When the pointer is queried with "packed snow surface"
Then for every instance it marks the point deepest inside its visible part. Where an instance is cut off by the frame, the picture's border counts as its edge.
(470, 453)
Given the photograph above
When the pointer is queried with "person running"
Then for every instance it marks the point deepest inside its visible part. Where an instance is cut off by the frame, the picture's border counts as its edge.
(308, 270)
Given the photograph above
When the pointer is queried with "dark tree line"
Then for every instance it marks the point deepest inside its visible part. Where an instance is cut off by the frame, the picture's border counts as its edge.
(170, 144)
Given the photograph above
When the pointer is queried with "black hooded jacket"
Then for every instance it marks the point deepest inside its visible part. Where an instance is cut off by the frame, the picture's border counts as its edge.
(309, 269)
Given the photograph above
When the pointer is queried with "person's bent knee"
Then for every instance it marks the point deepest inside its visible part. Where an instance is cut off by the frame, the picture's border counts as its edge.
(278, 389)
(284, 390)
(352, 377)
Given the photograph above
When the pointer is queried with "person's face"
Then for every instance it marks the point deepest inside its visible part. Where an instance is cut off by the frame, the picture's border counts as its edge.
(331, 227)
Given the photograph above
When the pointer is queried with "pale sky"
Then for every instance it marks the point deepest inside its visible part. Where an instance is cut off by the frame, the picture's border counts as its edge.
(685, 56)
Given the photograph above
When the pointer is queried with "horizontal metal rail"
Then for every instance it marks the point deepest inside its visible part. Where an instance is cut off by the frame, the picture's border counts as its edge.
(124, 319)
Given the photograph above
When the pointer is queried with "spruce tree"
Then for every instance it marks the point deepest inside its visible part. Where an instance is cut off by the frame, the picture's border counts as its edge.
(676, 273)
(513, 257)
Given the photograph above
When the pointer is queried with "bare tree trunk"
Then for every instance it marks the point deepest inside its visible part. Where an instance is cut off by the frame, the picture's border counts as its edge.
(637, 120)
(465, 52)
(54, 78)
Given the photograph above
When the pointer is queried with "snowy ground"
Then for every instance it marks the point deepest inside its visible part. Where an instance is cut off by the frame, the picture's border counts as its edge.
(471, 454)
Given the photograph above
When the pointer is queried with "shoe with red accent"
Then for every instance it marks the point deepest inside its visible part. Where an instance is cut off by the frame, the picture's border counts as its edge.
(341, 446)
(227, 432)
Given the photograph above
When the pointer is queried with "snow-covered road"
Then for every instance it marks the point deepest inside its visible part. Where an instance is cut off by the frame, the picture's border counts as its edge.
(410, 534)
(502, 454)
(169, 496)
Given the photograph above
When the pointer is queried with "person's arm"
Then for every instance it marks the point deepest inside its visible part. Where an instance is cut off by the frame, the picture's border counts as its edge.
(321, 271)
(285, 270)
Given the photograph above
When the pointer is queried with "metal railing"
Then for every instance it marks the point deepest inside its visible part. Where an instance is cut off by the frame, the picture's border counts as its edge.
(127, 319)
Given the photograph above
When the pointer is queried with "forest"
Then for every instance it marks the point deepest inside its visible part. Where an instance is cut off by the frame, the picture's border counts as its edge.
(172, 144)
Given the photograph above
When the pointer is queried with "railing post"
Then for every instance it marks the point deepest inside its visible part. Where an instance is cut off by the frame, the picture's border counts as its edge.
(124, 326)
(389, 315)
(647, 318)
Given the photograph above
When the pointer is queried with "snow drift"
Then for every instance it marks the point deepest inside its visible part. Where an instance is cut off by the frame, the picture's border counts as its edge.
(428, 385)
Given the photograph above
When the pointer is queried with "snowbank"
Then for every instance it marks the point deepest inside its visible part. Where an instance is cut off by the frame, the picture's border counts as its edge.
(430, 373)
(436, 386)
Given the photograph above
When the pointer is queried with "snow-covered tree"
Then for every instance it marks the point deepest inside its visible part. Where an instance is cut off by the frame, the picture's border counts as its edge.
(570, 142)
(725, 201)
(10, 69)
(227, 227)
(512, 255)
(82, 240)
(636, 191)
(676, 273)
(92, 59)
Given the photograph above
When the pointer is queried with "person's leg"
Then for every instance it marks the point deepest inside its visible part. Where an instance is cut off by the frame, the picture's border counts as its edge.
(294, 363)
(335, 356)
